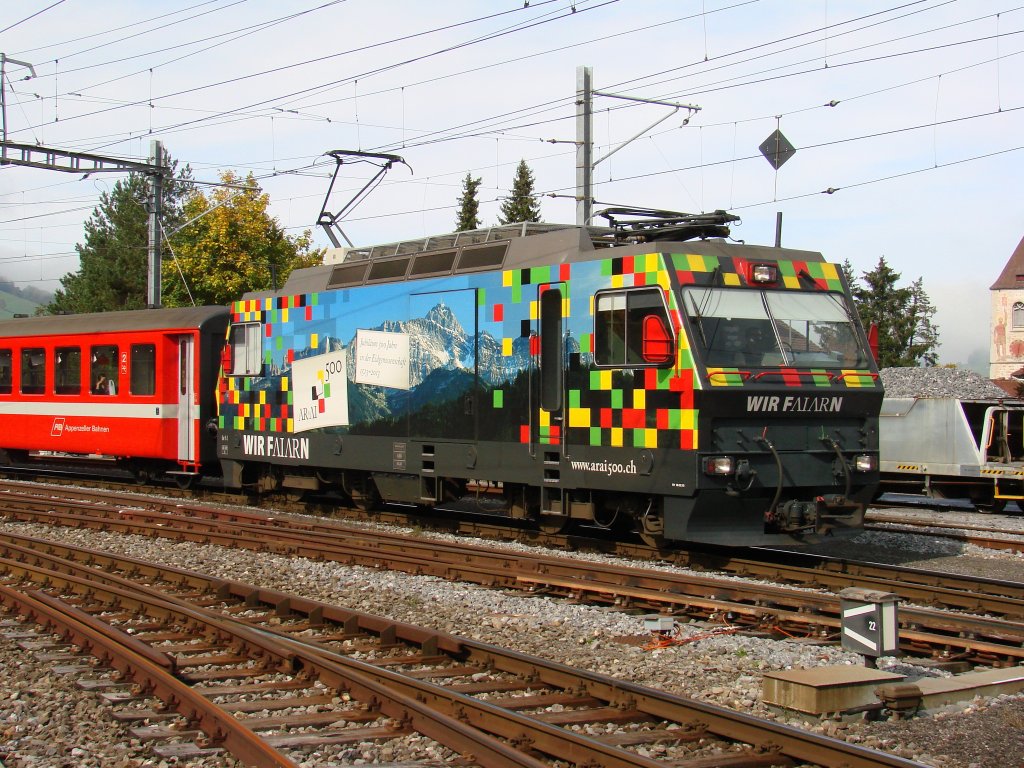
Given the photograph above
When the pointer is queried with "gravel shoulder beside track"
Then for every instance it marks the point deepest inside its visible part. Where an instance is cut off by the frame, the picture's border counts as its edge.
(723, 669)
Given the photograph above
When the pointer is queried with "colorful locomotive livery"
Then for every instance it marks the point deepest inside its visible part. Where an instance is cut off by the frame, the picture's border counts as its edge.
(691, 390)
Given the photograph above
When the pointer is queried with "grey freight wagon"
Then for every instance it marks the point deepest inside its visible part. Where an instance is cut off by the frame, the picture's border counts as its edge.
(947, 447)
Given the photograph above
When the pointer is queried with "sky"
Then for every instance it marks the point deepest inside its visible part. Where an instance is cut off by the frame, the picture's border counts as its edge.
(907, 118)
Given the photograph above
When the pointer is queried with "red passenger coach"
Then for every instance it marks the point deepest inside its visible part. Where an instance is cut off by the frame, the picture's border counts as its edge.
(131, 387)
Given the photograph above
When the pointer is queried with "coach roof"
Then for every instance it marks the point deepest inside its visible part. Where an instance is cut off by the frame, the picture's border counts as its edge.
(104, 322)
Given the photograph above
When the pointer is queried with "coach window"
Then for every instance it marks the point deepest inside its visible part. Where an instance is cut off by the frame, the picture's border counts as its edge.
(103, 369)
(143, 371)
(631, 329)
(67, 371)
(33, 371)
(246, 344)
(5, 371)
(1017, 319)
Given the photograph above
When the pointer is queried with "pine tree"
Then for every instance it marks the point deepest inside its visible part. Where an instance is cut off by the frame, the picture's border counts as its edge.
(520, 205)
(112, 271)
(906, 334)
(469, 206)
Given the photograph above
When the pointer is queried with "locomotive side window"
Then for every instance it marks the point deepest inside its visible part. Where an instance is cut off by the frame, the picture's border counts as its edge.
(143, 369)
(246, 344)
(103, 369)
(6, 362)
(67, 371)
(33, 371)
(631, 329)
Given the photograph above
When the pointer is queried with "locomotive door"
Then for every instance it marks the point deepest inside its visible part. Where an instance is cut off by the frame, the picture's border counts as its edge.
(186, 400)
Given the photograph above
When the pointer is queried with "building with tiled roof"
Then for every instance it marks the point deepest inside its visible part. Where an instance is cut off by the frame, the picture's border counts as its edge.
(1006, 356)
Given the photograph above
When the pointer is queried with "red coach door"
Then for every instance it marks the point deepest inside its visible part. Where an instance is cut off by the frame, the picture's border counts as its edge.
(187, 410)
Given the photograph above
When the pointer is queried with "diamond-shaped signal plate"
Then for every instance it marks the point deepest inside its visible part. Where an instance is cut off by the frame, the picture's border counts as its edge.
(777, 149)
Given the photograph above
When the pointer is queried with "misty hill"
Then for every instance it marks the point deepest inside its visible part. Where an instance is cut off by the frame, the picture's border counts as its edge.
(15, 300)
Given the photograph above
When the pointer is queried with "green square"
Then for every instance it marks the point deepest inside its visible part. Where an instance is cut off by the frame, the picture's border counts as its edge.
(606, 268)
(517, 292)
(616, 398)
(595, 435)
(574, 398)
(595, 381)
(499, 398)
(540, 275)
(327, 389)
(481, 297)
(675, 418)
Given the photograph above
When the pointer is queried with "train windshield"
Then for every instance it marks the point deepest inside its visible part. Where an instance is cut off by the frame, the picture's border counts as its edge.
(751, 328)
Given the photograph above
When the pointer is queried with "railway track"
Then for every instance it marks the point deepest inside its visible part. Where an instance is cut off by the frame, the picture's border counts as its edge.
(265, 675)
(986, 536)
(757, 607)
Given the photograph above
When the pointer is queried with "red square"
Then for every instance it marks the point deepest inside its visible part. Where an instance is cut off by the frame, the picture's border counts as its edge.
(685, 278)
(321, 404)
(662, 418)
(291, 356)
(563, 272)
(627, 265)
(634, 418)
(309, 312)
(524, 433)
(499, 312)
(268, 330)
(606, 418)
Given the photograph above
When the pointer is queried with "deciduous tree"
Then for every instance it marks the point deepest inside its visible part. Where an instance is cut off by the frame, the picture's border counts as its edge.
(231, 245)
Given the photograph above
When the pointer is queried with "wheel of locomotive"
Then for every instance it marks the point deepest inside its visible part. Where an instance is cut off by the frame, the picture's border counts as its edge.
(552, 524)
(644, 514)
(361, 490)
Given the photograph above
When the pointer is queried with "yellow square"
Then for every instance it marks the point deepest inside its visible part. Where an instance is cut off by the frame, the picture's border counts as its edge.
(617, 281)
(263, 397)
(579, 417)
(284, 383)
(791, 282)
(650, 438)
(288, 425)
(506, 347)
(533, 310)
(829, 271)
(545, 418)
(617, 437)
(314, 340)
(605, 377)
(730, 278)
(695, 262)
(639, 398)
(506, 279)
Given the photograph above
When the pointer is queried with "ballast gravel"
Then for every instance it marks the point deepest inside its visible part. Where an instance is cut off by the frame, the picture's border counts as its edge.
(720, 668)
(939, 382)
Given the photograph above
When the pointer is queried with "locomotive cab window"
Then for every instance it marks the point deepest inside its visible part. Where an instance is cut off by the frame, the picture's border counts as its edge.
(67, 371)
(143, 369)
(33, 371)
(103, 369)
(6, 361)
(632, 329)
(244, 353)
(748, 328)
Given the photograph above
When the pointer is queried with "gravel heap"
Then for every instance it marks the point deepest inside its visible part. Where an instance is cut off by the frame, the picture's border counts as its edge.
(939, 382)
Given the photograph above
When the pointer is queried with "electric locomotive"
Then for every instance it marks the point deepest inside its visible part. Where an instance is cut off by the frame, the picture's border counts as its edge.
(648, 374)
(134, 389)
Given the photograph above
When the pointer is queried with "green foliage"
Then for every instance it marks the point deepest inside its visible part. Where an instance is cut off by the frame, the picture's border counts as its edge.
(112, 259)
(469, 206)
(520, 205)
(906, 334)
(231, 245)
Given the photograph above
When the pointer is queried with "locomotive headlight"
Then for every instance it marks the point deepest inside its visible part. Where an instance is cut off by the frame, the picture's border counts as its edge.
(865, 463)
(764, 273)
(718, 465)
